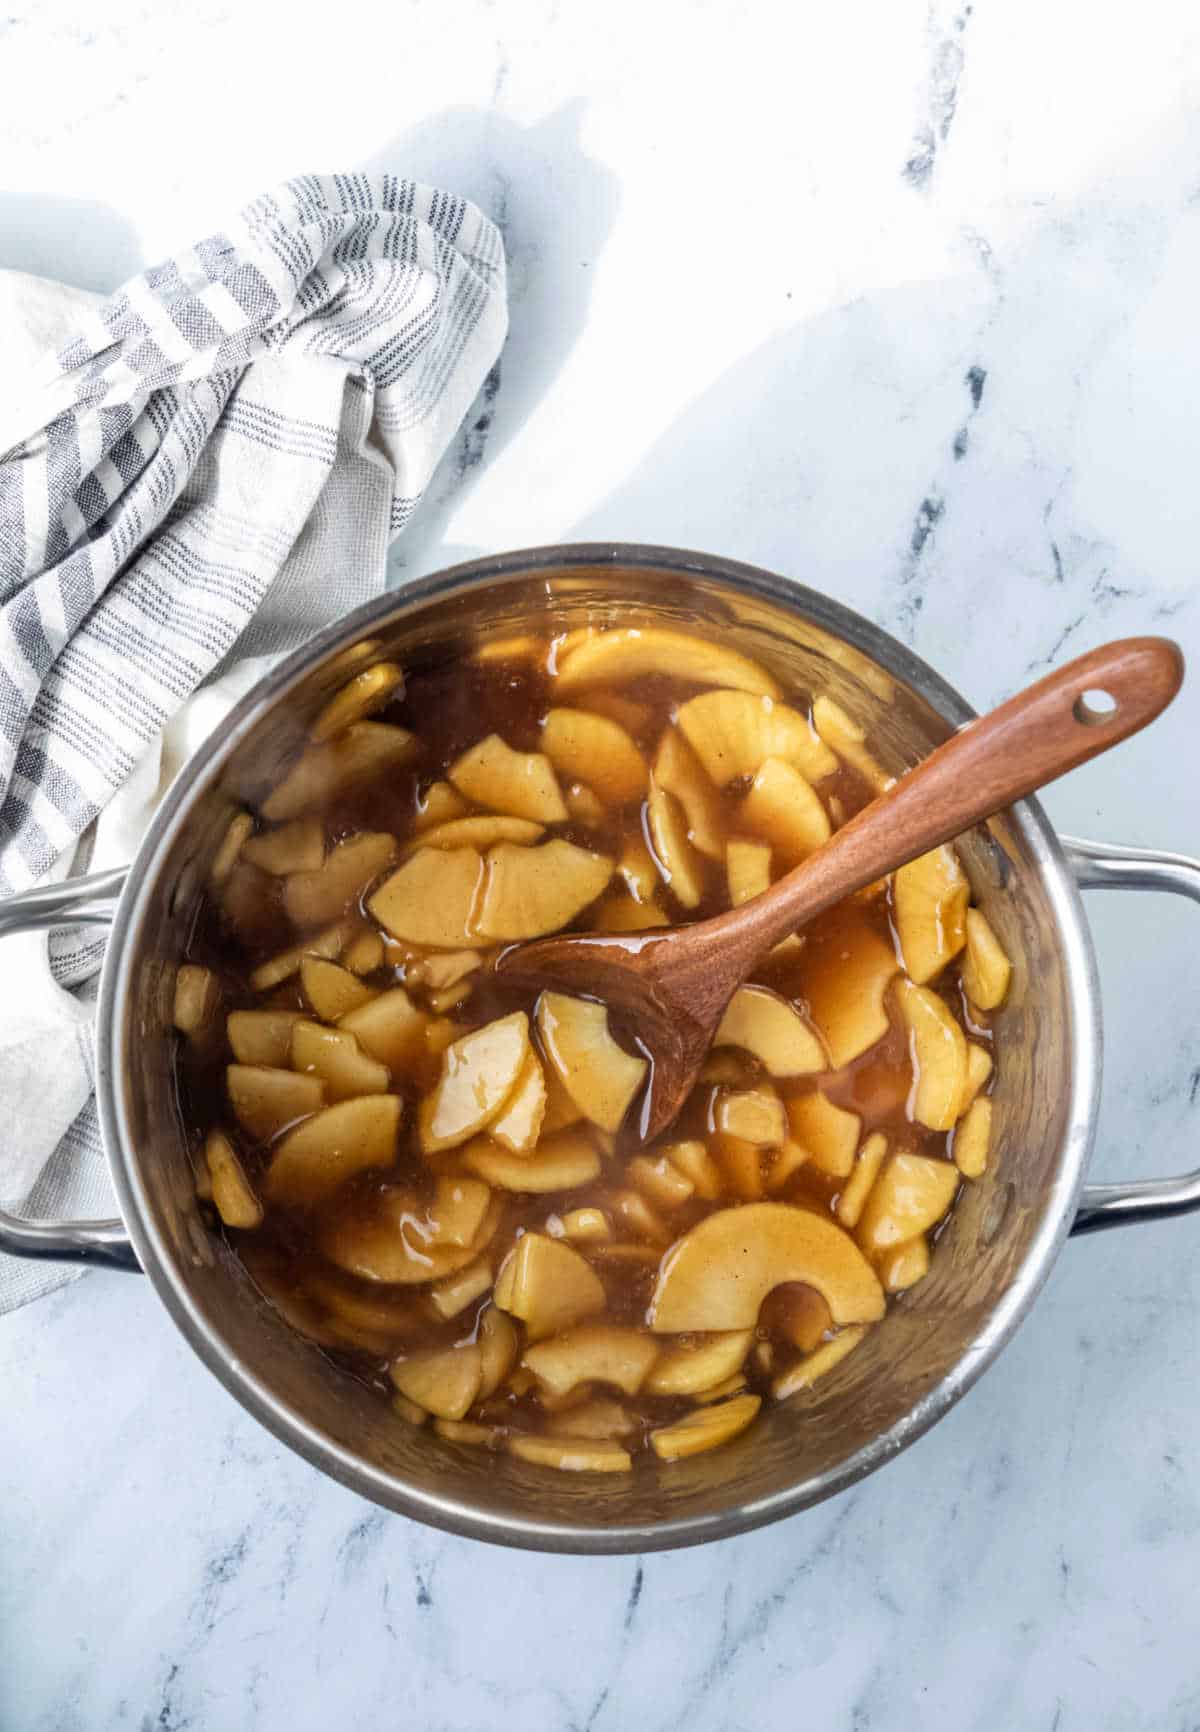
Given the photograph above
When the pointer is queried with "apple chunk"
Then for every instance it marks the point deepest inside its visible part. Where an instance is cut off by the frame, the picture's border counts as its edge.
(911, 1195)
(519, 1124)
(593, 1353)
(331, 989)
(232, 1192)
(930, 898)
(295, 847)
(828, 1132)
(359, 697)
(479, 1073)
(938, 1049)
(333, 1055)
(783, 808)
(431, 898)
(705, 1428)
(717, 1276)
(844, 736)
(597, 751)
(521, 784)
(319, 1155)
(363, 752)
(986, 970)
(766, 1025)
(547, 1285)
(559, 1163)
(747, 869)
(680, 772)
(846, 985)
(628, 653)
(313, 898)
(262, 1037)
(395, 1238)
(528, 892)
(600, 1076)
(445, 1383)
(689, 1367)
(682, 869)
(734, 733)
(265, 1101)
(480, 832)
(971, 1138)
(570, 1455)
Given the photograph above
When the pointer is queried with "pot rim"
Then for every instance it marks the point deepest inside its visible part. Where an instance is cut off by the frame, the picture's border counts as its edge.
(528, 1531)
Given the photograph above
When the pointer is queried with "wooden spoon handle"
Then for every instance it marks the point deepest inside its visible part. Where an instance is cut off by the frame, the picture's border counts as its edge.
(1032, 739)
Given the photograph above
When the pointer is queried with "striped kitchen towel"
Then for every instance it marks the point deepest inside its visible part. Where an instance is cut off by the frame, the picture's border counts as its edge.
(208, 468)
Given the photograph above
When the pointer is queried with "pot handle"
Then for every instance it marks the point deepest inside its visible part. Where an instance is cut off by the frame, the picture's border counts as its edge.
(1107, 866)
(79, 901)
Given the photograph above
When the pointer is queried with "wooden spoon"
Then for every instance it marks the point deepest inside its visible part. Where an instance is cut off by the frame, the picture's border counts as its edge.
(673, 987)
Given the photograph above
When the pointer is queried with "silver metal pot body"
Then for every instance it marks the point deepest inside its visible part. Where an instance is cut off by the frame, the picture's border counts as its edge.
(988, 1264)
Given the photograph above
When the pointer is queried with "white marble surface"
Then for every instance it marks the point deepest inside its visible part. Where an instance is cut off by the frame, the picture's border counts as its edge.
(898, 299)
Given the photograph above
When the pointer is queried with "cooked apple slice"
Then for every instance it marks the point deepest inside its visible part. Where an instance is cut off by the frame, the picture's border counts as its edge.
(408, 1410)
(445, 1382)
(582, 1226)
(596, 751)
(561, 1109)
(766, 1025)
(479, 1073)
(866, 1170)
(785, 810)
(621, 913)
(389, 1027)
(439, 804)
(747, 870)
(319, 1155)
(229, 850)
(986, 970)
(499, 1344)
(366, 751)
(262, 1037)
(705, 1428)
(979, 1069)
(845, 737)
(788, 1161)
(681, 866)
(601, 1419)
(680, 772)
(295, 847)
(333, 1055)
(481, 832)
(627, 714)
(717, 1276)
(264, 1100)
(755, 1115)
(232, 1192)
(547, 1285)
(331, 989)
(584, 806)
(829, 1133)
(570, 1455)
(593, 1353)
(911, 1194)
(816, 1364)
(528, 892)
(600, 1076)
(378, 1322)
(392, 1238)
(689, 1367)
(466, 1431)
(846, 985)
(328, 944)
(633, 1212)
(930, 896)
(360, 697)
(431, 898)
(693, 1160)
(458, 1210)
(638, 870)
(628, 653)
(449, 967)
(521, 784)
(516, 647)
(559, 1163)
(660, 1180)
(197, 998)
(311, 898)
(519, 1124)
(364, 954)
(741, 1164)
(938, 1050)
(972, 1135)
(734, 733)
(904, 1265)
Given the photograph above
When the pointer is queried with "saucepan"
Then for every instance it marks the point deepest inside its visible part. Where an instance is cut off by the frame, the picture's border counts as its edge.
(989, 1263)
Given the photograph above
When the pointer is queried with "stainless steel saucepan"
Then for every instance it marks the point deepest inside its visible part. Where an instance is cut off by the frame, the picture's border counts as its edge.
(934, 1342)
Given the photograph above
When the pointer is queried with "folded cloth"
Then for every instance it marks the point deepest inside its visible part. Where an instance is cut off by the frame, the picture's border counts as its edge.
(202, 471)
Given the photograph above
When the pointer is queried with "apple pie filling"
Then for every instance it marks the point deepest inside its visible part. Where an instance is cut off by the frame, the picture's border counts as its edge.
(436, 1176)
